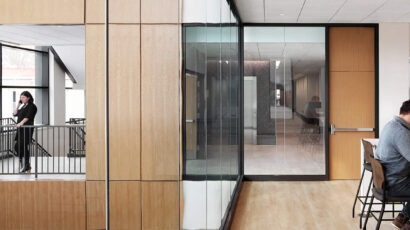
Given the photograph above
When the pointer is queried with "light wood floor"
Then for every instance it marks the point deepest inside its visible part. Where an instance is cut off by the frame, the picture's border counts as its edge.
(298, 205)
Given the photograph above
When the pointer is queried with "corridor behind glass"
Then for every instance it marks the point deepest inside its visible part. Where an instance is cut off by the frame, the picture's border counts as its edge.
(284, 100)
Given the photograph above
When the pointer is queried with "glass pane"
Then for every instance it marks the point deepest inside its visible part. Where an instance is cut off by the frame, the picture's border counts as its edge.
(212, 87)
(284, 76)
(24, 68)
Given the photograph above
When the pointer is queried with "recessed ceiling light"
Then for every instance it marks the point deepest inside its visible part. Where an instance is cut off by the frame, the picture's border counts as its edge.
(282, 14)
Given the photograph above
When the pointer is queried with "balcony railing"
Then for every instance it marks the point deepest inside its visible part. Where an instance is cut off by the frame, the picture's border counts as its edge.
(49, 149)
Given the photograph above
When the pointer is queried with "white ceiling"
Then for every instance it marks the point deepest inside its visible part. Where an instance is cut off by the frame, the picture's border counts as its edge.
(42, 35)
(323, 11)
(68, 41)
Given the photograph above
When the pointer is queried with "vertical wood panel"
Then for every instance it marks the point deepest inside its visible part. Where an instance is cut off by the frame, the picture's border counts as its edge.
(124, 102)
(95, 205)
(160, 104)
(351, 49)
(43, 205)
(124, 11)
(95, 101)
(42, 11)
(160, 205)
(125, 205)
(95, 11)
(159, 11)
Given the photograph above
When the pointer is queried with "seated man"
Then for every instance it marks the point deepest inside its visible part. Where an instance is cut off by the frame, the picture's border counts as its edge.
(393, 151)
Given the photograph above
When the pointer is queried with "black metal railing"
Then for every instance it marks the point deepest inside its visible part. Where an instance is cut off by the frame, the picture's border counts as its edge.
(42, 149)
(6, 138)
(77, 138)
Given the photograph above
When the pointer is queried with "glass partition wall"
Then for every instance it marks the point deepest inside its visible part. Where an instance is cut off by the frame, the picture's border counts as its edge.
(211, 129)
(284, 100)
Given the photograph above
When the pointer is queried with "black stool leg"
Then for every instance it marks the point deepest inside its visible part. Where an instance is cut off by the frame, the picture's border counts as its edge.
(365, 201)
(393, 209)
(368, 213)
(379, 221)
(357, 193)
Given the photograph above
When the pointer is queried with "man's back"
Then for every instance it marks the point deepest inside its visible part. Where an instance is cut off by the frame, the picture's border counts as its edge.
(394, 151)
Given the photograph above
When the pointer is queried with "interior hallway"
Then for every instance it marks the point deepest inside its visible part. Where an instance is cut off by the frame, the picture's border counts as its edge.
(304, 205)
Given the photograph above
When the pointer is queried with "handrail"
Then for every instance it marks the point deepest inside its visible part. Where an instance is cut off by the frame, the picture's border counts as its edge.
(51, 149)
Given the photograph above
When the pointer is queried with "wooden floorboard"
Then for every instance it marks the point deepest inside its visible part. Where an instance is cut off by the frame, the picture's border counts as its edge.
(299, 205)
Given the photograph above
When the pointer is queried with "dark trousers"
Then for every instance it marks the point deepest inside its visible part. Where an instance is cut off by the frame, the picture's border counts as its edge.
(23, 137)
(402, 189)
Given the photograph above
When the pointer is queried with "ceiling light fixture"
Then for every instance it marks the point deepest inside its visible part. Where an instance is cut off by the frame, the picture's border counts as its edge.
(282, 14)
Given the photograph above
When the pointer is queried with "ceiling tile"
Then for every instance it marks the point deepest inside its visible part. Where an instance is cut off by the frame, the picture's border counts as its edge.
(320, 10)
(282, 10)
(391, 11)
(356, 10)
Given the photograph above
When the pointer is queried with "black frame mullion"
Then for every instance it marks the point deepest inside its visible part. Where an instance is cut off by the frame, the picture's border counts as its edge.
(23, 48)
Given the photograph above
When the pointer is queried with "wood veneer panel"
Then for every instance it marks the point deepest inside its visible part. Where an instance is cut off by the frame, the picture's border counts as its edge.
(125, 205)
(95, 11)
(95, 205)
(160, 102)
(41, 11)
(344, 159)
(351, 105)
(124, 11)
(125, 102)
(159, 11)
(351, 99)
(160, 205)
(95, 101)
(351, 49)
(43, 205)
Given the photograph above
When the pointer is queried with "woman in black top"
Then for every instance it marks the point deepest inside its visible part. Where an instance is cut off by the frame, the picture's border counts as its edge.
(25, 116)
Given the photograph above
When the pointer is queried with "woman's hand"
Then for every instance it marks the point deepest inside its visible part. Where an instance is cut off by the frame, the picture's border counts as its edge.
(22, 122)
(17, 108)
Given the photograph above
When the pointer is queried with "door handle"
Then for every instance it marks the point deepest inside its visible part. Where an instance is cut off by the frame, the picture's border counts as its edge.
(333, 129)
(189, 121)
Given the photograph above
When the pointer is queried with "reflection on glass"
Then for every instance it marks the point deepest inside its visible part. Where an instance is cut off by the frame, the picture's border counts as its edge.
(284, 76)
(22, 67)
(28, 69)
(211, 127)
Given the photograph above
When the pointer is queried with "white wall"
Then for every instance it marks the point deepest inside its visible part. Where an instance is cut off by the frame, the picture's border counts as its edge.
(57, 92)
(393, 69)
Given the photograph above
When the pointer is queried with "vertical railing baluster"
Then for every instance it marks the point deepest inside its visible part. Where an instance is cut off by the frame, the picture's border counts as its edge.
(36, 156)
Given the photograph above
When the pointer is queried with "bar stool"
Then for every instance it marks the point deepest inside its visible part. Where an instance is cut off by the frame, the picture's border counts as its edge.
(381, 194)
(368, 155)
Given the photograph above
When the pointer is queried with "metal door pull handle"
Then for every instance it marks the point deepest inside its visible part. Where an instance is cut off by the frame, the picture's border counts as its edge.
(333, 129)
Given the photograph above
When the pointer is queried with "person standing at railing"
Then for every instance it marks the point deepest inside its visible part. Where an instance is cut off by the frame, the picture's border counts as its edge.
(25, 116)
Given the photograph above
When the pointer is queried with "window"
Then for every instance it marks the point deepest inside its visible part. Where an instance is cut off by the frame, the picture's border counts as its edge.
(24, 69)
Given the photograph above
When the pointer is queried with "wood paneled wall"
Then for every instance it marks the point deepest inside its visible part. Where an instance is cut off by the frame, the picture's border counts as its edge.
(42, 205)
(145, 84)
